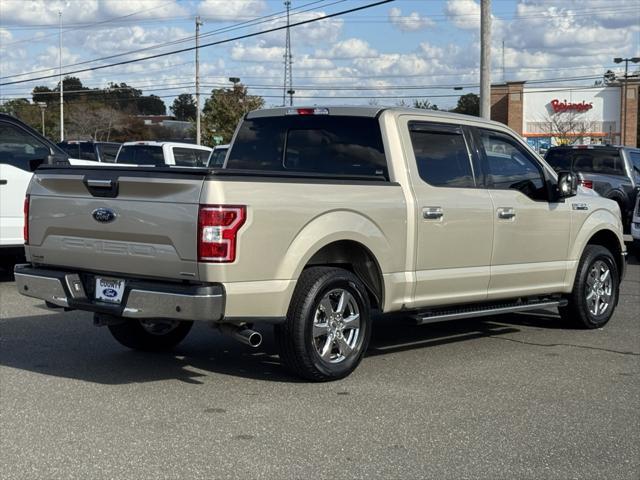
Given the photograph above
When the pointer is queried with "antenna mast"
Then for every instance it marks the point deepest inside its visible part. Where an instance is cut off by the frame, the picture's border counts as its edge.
(287, 87)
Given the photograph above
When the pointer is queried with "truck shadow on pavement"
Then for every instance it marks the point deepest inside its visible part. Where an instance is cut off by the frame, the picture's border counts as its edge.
(69, 346)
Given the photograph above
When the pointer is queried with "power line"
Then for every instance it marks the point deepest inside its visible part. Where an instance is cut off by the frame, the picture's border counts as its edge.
(219, 42)
(245, 24)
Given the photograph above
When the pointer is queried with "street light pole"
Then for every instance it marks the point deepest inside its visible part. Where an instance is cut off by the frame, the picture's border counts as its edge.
(43, 106)
(60, 66)
(485, 59)
(198, 23)
(623, 123)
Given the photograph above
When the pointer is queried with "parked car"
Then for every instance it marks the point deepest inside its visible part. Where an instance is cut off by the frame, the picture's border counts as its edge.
(613, 172)
(320, 216)
(22, 150)
(164, 153)
(635, 227)
(216, 160)
(89, 150)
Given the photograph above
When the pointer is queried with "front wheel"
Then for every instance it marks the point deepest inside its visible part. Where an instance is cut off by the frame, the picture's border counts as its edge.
(328, 325)
(150, 335)
(595, 290)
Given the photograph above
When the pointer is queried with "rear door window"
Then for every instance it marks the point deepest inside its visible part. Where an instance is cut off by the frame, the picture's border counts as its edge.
(323, 144)
(441, 155)
(608, 162)
(141, 155)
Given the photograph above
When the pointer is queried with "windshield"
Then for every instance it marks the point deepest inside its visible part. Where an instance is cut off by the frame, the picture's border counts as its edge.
(141, 155)
(600, 160)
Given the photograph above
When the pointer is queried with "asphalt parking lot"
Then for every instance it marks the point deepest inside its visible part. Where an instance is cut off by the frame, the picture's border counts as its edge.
(518, 396)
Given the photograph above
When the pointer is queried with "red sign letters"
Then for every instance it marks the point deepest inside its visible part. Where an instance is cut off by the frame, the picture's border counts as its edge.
(564, 106)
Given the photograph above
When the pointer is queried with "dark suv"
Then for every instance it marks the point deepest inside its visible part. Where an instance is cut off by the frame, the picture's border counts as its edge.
(612, 171)
(89, 150)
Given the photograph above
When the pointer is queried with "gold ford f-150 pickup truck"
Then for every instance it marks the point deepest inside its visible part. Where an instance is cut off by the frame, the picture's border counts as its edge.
(319, 216)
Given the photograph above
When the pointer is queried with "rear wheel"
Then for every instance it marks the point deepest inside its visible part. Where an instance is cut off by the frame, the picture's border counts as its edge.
(328, 325)
(150, 335)
(595, 290)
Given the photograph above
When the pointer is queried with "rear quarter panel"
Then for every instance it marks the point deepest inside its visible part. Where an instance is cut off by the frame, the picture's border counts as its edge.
(289, 221)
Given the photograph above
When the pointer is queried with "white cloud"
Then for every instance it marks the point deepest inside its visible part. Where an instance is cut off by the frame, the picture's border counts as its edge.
(349, 48)
(258, 52)
(122, 39)
(463, 14)
(230, 10)
(409, 23)
(141, 8)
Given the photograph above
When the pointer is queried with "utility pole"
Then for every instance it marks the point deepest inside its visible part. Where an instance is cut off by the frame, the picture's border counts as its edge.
(485, 59)
(287, 87)
(60, 66)
(198, 23)
(623, 123)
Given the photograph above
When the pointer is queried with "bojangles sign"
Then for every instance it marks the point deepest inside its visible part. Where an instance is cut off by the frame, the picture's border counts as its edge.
(564, 106)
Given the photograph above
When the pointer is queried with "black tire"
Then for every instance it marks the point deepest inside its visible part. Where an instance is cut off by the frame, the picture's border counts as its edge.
(295, 338)
(132, 334)
(577, 313)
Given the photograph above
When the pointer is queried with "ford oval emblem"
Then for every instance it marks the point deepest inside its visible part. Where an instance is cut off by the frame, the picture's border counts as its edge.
(103, 215)
(109, 292)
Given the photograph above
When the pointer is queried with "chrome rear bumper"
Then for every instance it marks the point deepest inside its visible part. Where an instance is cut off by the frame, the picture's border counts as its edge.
(142, 299)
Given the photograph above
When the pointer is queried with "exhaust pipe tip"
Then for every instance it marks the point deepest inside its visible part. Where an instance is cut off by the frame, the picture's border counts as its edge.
(242, 334)
(254, 339)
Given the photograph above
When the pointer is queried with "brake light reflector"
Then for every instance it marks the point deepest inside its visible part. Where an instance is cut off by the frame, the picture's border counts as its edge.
(586, 183)
(308, 111)
(25, 229)
(218, 226)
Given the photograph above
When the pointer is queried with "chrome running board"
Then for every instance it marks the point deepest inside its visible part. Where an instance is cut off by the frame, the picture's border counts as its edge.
(483, 310)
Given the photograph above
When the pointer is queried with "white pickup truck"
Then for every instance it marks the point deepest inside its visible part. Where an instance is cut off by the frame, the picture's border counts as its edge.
(163, 153)
(320, 216)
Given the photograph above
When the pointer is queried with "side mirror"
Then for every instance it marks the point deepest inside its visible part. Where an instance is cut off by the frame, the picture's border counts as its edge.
(567, 184)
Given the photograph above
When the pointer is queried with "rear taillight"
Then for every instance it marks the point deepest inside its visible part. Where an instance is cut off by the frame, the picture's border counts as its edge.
(25, 229)
(218, 227)
(586, 183)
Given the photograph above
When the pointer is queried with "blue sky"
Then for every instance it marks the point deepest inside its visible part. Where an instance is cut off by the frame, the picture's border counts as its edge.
(398, 51)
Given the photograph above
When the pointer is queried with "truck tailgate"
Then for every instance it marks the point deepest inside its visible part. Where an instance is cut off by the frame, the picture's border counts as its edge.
(130, 221)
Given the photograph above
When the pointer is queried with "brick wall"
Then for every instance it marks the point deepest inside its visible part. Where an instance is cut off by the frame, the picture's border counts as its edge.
(631, 125)
(506, 104)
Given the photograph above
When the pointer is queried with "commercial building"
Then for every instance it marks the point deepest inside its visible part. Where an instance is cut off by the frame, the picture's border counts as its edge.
(548, 116)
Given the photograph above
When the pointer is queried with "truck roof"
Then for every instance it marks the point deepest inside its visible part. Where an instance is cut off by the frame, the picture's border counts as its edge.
(366, 111)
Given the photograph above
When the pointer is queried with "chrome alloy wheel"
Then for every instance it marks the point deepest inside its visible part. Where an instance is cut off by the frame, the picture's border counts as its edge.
(159, 327)
(599, 288)
(336, 326)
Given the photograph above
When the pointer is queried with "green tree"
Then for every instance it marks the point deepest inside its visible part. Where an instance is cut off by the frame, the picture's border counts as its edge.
(468, 104)
(184, 107)
(151, 105)
(224, 109)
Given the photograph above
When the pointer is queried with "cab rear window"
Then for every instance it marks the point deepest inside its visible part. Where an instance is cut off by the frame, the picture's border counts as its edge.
(333, 145)
(141, 155)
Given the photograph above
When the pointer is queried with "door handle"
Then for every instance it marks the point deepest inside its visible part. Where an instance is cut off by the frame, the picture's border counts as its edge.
(3, 182)
(506, 213)
(99, 183)
(432, 213)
